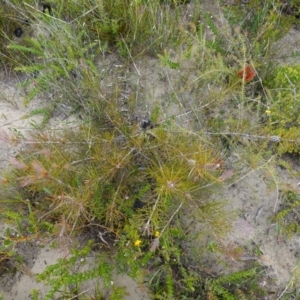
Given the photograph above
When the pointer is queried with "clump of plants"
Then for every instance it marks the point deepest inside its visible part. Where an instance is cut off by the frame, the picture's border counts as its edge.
(65, 40)
(229, 287)
(270, 97)
(131, 26)
(283, 113)
(11, 24)
(132, 183)
(287, 220)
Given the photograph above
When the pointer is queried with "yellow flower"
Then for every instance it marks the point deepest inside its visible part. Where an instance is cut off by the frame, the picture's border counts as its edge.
(157, 234)
(268, 112)
(137, 243)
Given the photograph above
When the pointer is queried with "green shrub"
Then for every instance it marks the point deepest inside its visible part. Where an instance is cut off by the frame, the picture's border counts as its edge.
(284, 107)
(94, 176)
(238, 285)
(287, 218)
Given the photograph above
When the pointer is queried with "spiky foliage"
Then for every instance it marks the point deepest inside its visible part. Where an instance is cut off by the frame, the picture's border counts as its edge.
(132, 26)
(89, 177)
(284, 107)
(66, 275)
(171, 164)
(241, 284)
(58, 62)
(10, 21)
(59, 51)
(287, 217)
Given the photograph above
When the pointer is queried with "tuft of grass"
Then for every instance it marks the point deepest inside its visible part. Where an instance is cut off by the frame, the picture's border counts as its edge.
(286, 218)
(283, 113)
(93, 177)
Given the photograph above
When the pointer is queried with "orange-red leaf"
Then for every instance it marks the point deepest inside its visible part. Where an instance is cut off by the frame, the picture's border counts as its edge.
(247, 72)
(39, 169)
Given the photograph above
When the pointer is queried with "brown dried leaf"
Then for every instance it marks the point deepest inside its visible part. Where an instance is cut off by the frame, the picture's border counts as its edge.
(46, 153)
(18, 164)
(39, 169)
(154, 244)
(4, 137)
(146, 229)
(26, 180)
(226, 175)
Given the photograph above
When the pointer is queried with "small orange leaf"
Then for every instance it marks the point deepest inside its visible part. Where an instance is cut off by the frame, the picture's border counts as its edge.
(247, 72)
(39, 169)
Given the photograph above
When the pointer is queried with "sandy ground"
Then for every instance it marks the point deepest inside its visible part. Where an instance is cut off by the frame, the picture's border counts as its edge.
(20, 286)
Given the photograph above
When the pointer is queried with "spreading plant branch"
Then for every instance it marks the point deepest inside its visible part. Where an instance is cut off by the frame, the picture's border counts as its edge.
(155, 242)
